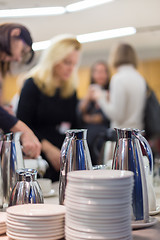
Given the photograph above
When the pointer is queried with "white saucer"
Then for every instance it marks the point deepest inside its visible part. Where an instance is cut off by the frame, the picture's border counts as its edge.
(2, 230)
(50, 194)
(155, 212)
(138, 225)
(3, 218)
(37, 211)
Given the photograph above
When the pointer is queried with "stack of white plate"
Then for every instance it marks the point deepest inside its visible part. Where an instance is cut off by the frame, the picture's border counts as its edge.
(3, 219)
(98, 205)
(36, 221)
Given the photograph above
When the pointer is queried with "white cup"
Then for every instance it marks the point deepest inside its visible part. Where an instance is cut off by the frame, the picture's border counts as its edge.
(150, 189)
(45, 184)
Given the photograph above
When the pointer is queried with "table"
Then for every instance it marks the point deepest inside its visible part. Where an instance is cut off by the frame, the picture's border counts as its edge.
(151, 233)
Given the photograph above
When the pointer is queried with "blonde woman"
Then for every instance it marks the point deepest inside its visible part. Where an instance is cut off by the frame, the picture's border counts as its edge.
(125, 103)
(48, 99)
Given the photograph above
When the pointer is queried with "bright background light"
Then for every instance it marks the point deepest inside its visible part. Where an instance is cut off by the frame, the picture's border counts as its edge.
(48, 11)
(40, 45)
(91, 37)
(28, 12)
(85, 4)
(96, 36)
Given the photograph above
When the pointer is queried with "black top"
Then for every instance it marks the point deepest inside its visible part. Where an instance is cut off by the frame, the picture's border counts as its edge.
(7, 121)
(45, 115)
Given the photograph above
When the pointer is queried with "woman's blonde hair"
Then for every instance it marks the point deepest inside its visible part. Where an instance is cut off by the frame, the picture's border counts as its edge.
(123, 53)
(43, 73)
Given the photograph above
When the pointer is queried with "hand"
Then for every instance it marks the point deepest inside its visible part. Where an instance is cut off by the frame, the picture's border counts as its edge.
(96, 93)
(94, 118)
(88, 96)
(52, 153)
(31, 144)
(87, 118)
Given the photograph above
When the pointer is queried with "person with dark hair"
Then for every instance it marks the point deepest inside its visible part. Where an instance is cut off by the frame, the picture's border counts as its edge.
(16, 45)
(100, 74)
(91, 115)
(126, 102)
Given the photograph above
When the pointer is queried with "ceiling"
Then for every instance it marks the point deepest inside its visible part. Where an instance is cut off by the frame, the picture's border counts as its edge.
(142, 14)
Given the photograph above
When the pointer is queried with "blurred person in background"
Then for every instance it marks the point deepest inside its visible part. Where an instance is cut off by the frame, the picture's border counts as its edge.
(90, 113)
(126, 102)
(16, 45)
(48, 98)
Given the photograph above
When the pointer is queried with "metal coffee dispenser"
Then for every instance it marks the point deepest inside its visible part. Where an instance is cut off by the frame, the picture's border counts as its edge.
(128, 155)
(11, 159)
(26, 189)
(74, 156)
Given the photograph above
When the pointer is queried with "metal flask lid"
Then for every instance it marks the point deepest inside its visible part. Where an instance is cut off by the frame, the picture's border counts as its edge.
(77, 134)
(8, 137)
(26, 174)
(124, 132)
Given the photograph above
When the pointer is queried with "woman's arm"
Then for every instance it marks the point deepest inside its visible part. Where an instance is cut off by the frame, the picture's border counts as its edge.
(84, 103)
(31, 144)
(52, 153)
(114, 105)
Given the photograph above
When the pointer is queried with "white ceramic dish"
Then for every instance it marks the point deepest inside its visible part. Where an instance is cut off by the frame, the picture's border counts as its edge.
(104, 218)
(69, 237)
(13, 236)
(33, 228)
(96, 190)
(98, 235)
(78, 207)
(39, 222)
(99, 187)
(138, 225)
(95, 208)
(3, 225)
(96, 228)
(97, 198)
(107, 184)
(52, 193)
(98, 219)
(152, 213)
(2, 230)
(100, 175)
(98, 201)
(36, 220)
(36, 210)
(96, 215)
(91, 197)
(36, 232)
(28, 234)
(3, 217)
(28, 225)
